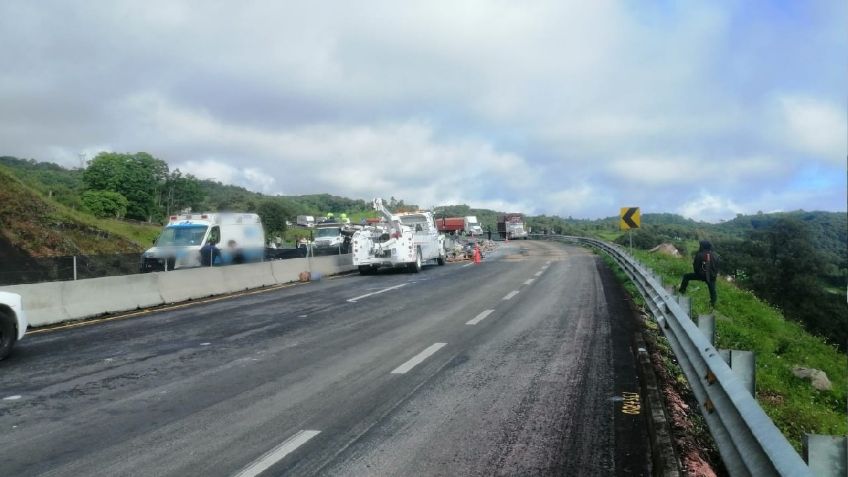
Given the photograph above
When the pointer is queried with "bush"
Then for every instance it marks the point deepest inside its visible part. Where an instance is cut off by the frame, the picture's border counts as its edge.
(103, 203)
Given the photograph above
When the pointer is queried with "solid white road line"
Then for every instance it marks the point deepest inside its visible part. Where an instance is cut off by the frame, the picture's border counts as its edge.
(528, 282)
(418, 358)
(276, 454)
(466, 265)
(510, 295)
(539, 273)
(482, 316)
(354, 300)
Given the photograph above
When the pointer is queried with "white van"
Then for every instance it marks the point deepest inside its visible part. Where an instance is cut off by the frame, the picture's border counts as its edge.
(238, 238)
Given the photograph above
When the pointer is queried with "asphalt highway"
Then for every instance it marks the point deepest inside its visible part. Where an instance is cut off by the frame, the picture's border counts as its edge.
(522, 365)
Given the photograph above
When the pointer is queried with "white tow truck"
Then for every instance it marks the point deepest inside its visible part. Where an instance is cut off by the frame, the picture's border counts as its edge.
(401, 240)
(13, 323)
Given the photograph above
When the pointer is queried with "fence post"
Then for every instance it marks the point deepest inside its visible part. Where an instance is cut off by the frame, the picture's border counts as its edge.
(707, 325)
(744, 366)
(685, 304)
(827, 456)
(75, 267)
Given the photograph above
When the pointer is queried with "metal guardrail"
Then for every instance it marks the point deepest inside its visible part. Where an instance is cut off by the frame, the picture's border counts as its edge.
(747, 439)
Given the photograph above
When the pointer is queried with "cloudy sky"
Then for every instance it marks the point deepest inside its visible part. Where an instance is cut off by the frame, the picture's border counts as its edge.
(561, 107)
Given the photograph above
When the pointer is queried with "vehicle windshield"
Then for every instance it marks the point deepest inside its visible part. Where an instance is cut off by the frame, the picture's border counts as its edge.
(182, 235)
(328, 232)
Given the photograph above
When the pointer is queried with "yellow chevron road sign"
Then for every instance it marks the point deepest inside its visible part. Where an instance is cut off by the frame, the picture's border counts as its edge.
(630, 218)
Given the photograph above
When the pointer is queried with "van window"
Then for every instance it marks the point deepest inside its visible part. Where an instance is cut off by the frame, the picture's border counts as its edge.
(215, 235)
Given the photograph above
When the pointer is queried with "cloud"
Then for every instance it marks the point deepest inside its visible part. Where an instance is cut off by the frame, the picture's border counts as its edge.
(709, 208)
(547, 106)
(815, 127)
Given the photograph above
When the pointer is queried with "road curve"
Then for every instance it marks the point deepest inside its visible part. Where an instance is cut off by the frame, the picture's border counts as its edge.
(522, 365)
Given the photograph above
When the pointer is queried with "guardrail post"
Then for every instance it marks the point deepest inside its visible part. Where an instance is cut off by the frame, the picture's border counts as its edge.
(827, 456)
(75, 267)
(707, 325)
(744, 366)
(685, 303)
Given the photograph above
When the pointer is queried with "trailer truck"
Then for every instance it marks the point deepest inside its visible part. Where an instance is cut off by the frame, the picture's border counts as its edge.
(511, 226)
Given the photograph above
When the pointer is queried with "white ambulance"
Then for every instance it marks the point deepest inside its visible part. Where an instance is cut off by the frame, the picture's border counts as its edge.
(206, 239)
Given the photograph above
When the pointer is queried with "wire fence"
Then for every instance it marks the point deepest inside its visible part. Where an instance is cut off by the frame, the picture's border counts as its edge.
(51, 269)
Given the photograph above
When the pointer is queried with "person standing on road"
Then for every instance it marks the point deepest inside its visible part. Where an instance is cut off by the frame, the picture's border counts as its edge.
(706, 265)
(208, 253)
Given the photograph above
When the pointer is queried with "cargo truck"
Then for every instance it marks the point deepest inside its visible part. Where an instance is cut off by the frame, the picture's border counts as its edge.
(450, 224)
(306, 221)
(512, 226)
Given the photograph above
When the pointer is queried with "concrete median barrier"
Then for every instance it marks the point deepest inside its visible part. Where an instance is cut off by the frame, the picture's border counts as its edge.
(191, 284)
(55, 302)
(245, 277)
(286, 271)
(332, 264)
(42, 302)
(96, 296)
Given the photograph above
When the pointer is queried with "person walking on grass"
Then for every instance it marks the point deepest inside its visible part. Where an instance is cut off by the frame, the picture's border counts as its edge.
(706, 265)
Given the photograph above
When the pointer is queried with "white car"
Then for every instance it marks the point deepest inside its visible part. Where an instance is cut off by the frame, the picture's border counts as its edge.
(13, 323)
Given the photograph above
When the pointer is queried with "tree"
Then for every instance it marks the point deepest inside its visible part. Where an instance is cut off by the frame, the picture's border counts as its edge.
(138, 177)
(274, 217)
(183, 191)
(103, 203)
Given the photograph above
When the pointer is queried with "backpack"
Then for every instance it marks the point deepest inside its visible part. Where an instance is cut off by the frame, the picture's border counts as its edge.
(709, 265)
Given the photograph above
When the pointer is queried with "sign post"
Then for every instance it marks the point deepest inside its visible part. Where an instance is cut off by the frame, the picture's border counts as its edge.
(630, 218)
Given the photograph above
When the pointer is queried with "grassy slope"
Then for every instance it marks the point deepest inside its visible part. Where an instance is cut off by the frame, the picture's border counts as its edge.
(745, 322)
(40, 226)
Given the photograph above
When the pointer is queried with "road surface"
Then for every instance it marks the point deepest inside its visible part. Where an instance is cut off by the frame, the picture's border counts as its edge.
(522, 365)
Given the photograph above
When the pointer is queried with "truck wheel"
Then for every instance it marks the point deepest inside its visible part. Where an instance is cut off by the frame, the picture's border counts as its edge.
(7, 334)
(365, 270)
(440, 260)
(415, 266)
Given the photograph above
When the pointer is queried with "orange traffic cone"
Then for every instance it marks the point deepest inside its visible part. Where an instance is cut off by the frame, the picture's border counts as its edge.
(477, 257)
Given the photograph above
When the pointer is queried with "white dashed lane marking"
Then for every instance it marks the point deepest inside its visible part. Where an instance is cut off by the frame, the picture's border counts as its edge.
(477, 319)
(418, 358)
(510, 295)
(277, 453)
(354, 300)
(528, 282)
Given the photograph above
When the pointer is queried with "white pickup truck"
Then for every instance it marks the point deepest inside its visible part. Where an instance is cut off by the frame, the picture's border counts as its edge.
(404, 240)
(13, 323)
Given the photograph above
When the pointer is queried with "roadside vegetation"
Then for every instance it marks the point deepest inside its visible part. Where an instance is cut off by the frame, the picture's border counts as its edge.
(746, 322)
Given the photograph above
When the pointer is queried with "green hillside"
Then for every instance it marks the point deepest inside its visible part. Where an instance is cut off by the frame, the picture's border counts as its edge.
(39, 226)
(748, 323)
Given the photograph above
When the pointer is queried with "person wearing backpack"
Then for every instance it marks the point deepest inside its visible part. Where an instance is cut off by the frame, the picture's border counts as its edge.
(706, 265)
